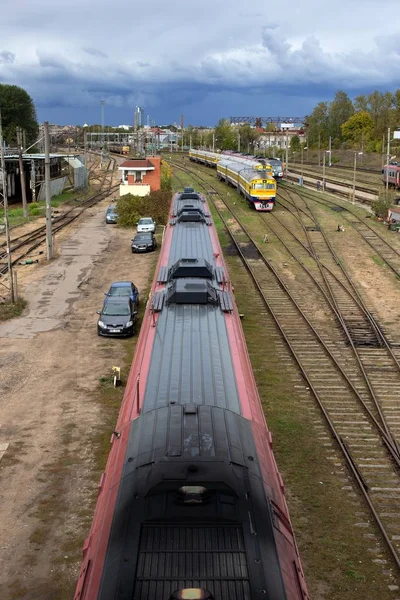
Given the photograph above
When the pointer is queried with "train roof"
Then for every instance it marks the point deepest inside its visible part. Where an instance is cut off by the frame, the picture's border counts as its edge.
(196, 501)
(249, 173)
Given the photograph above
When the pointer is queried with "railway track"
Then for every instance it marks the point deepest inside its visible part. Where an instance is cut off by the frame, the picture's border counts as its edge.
(29, 242)
(370, 189)
(346, 168)
(339, 188)
(388, 253)
(344, 356)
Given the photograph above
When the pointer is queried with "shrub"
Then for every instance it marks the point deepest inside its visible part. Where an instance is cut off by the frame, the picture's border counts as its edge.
(384, 201)
(33, 208)
(156, 205)
(166, 177)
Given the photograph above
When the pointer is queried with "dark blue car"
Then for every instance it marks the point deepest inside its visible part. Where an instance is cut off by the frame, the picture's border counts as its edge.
(123, 288)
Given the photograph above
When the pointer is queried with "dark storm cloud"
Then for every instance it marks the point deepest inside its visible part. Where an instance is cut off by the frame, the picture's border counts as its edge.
(7, 57)
(95, 52)
(207, 57)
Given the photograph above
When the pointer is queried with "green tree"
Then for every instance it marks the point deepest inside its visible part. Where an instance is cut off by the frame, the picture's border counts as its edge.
(248, 137)
(358, 128)
(380, 108)
(17, 110)
(340, 110)
(295, 144)
(225, 136)
(360, 103)
(194, 135)
(317, 125)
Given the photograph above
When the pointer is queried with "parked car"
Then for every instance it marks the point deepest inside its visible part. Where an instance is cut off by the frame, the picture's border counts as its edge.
(125, 289)
(111, 214)
(117, 317)
(146, 224)
(144, 242)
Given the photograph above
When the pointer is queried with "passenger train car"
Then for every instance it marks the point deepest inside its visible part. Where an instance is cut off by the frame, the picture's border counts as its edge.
(257, 186)
(274, 165)
(277, 167)
(119, 148)
(191, 504)
(212, 159)
(394, 174)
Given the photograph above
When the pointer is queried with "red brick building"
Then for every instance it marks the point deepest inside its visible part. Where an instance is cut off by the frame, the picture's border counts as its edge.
(140, 176)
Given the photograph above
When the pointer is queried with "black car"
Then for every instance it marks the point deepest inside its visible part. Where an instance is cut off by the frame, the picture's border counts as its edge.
(144, 242)
(124, 289)
(117, 317)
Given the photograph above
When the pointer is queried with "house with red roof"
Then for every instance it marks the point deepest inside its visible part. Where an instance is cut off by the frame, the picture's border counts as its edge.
(140, 176)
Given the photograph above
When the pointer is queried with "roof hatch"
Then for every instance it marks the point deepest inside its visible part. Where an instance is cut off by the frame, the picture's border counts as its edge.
(191, 291)
(191, 267)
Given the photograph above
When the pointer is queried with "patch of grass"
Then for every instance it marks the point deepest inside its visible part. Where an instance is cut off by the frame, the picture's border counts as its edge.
(9, 310)
(37, 209)
(378, 260)
(38, 536)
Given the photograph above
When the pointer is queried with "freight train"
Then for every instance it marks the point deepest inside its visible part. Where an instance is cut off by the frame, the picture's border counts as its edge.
(191, 504)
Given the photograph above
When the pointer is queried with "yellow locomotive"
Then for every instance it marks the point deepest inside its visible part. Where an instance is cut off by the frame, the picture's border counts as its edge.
(257, 186)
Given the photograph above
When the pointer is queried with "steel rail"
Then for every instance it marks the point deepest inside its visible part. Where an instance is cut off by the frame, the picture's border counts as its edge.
(344, 326)
(349, 460)
(387, 439)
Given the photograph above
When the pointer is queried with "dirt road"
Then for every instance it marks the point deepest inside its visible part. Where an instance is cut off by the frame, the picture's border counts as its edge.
(51, 361)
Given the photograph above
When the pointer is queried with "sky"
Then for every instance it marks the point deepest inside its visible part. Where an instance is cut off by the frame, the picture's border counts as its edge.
(206, 60)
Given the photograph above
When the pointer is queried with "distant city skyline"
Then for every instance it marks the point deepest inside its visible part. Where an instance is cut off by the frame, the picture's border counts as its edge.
(181, 59)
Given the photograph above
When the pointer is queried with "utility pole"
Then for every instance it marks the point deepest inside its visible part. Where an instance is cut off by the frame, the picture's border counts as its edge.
(238, 141)
(383, 151)
(6, 223)
(319, 149)
(182, 131)
(330, 150)
(387, 160)
(302, 157)
(287, 155)
(362, 146)
(323, 171)
(354, 177)
(102, 104)
(49, 232)
(213, 141)
(85, 155)
(22, 172)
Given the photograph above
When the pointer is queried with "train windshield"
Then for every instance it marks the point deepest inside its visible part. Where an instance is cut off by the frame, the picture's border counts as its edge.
(262, 185)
